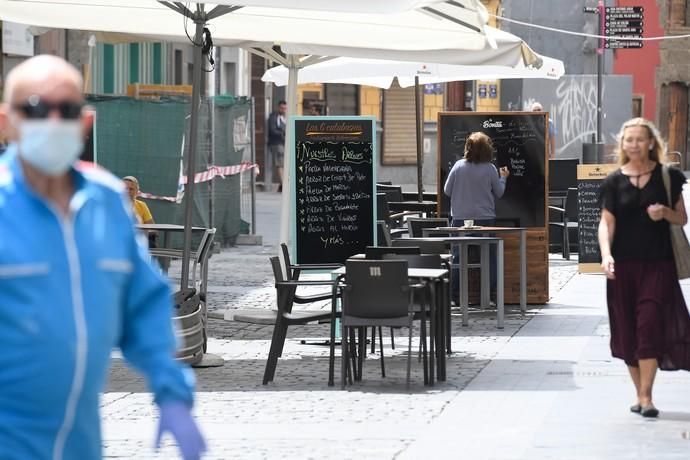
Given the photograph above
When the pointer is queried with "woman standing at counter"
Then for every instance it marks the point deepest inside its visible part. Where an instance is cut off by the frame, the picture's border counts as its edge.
(473, 186)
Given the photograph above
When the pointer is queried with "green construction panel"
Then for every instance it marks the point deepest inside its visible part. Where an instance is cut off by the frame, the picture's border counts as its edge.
(157, 64)
(144, 138)
(108, 69)
(134, 63)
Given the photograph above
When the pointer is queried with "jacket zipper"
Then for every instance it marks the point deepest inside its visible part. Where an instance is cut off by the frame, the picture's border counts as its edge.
(67, 225)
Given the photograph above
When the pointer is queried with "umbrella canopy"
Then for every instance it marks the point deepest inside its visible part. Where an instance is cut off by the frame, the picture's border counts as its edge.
(506, 61)
(446, 27)
(351, 6)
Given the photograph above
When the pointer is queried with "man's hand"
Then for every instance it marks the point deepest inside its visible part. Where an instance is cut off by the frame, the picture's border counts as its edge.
(176, 417)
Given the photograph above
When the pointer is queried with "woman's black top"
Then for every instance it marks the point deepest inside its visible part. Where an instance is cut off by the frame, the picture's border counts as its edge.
(636, 236)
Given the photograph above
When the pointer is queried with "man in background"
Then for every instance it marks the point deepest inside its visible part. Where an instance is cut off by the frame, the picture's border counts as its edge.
(537, 107)
(75, 281)
(276, 145)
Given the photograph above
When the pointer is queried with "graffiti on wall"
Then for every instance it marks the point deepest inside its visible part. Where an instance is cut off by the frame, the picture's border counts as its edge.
(572, 104)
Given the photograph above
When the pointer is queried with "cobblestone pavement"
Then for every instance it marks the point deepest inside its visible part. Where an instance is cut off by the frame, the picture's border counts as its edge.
(232, 396)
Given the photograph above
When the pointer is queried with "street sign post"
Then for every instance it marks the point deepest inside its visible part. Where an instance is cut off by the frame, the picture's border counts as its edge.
(623, 27)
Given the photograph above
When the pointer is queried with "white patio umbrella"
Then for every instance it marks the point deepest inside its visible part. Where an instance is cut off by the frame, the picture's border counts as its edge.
(381, 73)
(511, 58)
(435, 30)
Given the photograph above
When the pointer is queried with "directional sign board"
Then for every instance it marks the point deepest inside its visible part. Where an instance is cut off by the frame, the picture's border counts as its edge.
(623, 22)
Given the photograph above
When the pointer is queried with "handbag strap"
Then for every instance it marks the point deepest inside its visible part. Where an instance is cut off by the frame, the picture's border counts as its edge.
(667, 184)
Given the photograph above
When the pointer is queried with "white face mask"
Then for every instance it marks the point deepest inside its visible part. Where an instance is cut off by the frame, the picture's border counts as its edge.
(51, 146)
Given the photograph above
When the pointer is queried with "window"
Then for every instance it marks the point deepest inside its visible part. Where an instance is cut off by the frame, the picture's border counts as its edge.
(399, 133)
(178, 67)
(230, 77)
(637, 106)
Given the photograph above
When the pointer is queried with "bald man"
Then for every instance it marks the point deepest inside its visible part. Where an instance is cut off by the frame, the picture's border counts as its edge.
(537, 107)
(75, 281)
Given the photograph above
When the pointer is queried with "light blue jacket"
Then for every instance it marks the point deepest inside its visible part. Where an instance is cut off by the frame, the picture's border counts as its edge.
(71, 289)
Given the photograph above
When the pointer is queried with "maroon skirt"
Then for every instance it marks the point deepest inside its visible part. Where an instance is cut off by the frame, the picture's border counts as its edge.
(648, 316)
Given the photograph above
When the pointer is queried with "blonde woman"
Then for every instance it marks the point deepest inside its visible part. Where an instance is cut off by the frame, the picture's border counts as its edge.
(650, 326)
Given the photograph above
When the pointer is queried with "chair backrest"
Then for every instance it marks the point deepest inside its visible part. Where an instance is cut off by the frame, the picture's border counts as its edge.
(415, 225)
(417, 260)
(425, 246)
(382, 211)
(377, 252)
(383, 234)
(376, 289)
(284, 257)
(205, 245)
(393, 192)
(203, 253)
(286, 294)
(571, 204)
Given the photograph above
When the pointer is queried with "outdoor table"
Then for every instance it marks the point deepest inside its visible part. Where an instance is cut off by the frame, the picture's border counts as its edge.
(434, 276)
(495, 230)
(444, 257)
(420, 206)
(462, 243)
(413, 196)
(166, 229)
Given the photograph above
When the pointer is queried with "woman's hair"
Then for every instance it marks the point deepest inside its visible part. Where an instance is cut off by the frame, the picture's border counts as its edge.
(658, 151)
(478, 148)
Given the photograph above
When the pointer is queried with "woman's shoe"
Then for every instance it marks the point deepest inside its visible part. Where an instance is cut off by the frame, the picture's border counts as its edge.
(649, 411)
(636, 408)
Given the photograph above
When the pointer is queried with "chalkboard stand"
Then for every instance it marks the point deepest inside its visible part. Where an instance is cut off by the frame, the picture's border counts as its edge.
(333, 188)
(589, 179)
(520, 140)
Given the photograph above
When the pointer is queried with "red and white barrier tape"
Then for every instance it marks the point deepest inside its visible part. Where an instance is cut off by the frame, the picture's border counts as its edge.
(204, 176)
(222, 171)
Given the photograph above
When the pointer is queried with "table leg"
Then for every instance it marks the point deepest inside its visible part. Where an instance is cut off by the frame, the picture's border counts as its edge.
(464, 289)
(433, 326)
(441, 306)
(523, 271)
(447, 317)
(485, 277)
(499, 285)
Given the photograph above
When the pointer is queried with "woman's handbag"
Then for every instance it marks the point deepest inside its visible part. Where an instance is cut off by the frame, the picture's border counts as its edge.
(679, 242)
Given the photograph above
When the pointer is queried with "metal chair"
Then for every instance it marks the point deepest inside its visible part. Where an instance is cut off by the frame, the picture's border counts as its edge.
(567, 220)
(415, 225)
(284, 316)
(391, 220)
(375, 293)
(425, 245)
(377, 252)
(426, 261)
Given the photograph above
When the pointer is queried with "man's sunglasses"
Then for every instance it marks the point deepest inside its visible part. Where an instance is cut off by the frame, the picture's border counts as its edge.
(38, 109)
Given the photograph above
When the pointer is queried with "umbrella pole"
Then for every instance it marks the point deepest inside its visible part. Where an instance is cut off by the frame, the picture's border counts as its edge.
(191, 151)
(419, 129)
(292, 62)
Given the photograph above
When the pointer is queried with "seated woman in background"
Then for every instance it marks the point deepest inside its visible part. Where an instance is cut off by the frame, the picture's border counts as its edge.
(473, 186)
(141, 210)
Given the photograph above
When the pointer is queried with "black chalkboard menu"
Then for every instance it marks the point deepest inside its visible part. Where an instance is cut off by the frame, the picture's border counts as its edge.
(520, 142)
(333, 191)
(589, 178)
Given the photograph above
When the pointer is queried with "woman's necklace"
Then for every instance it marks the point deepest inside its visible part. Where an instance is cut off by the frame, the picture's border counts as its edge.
(639, 174)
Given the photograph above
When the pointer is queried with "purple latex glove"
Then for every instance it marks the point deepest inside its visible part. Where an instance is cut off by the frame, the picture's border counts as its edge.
(176, 417)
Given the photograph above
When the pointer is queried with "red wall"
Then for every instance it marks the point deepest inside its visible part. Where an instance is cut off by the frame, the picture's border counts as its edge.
(642, 63)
